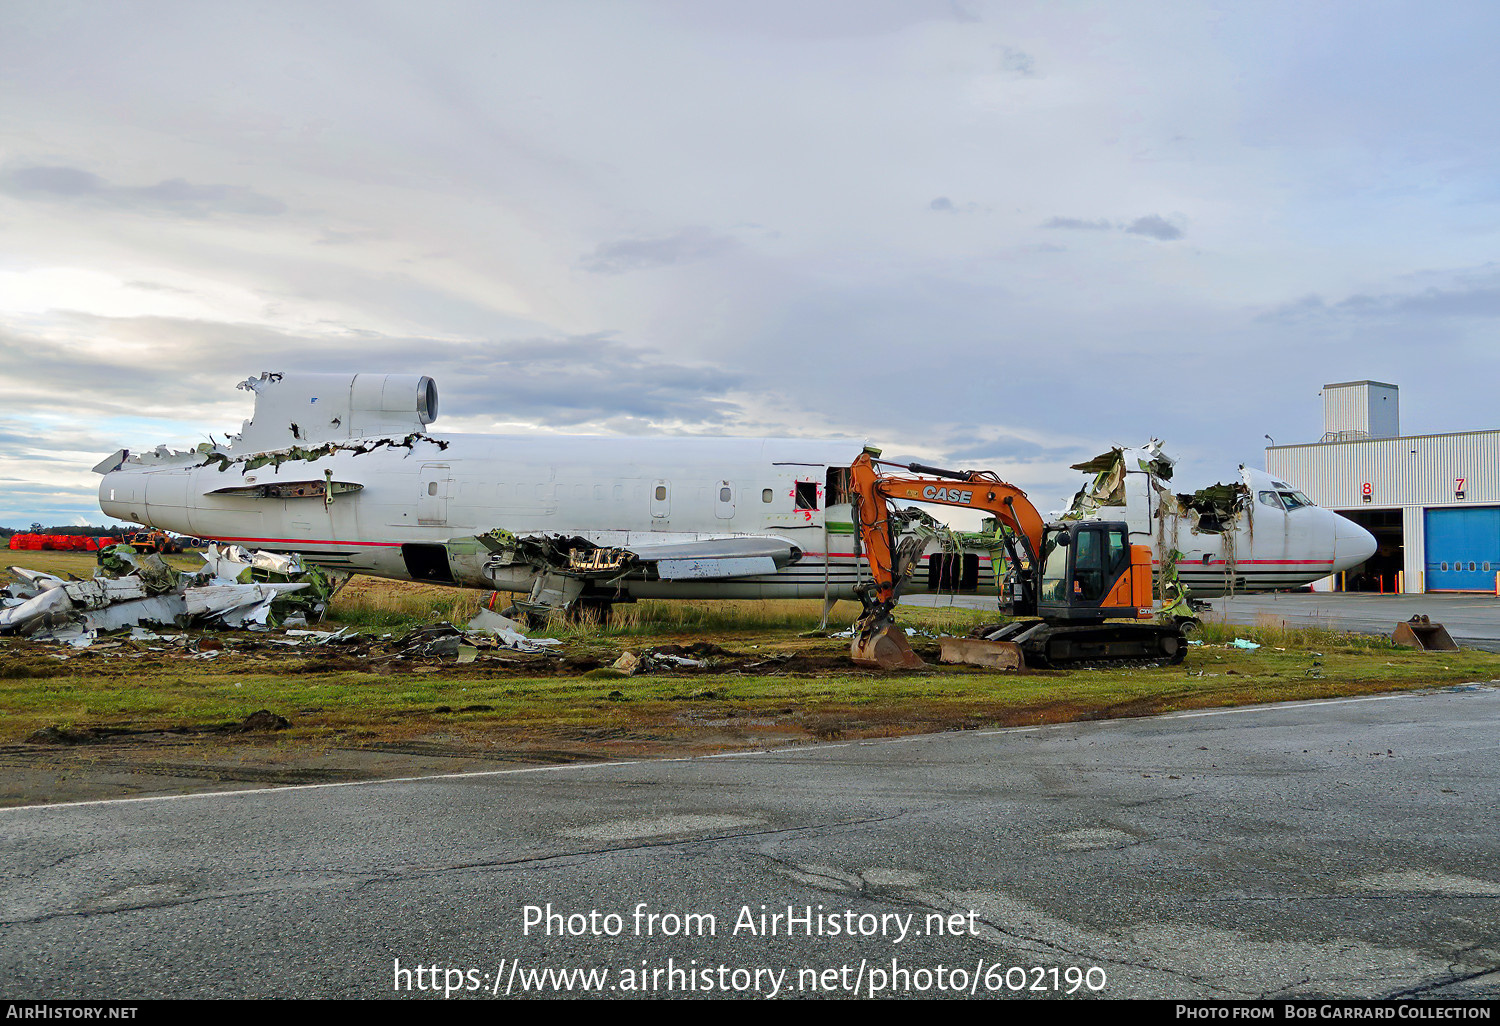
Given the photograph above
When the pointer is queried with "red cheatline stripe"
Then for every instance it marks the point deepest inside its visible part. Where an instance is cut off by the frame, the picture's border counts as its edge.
(982, 559)
(1191, 563)
(321, 541)
(305, 541)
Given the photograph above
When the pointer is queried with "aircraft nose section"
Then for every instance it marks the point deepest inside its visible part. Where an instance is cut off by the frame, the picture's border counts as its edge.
(1352, 544)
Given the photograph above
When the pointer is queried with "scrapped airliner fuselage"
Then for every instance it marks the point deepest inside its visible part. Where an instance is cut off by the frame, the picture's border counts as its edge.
(341, 469)
(1257, 534)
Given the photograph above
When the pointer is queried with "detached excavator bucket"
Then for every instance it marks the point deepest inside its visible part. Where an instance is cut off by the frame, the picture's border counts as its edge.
(885, 649)
(997, 655)
(1423, 635)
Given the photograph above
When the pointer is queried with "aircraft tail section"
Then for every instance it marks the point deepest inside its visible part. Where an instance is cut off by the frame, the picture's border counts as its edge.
(295, 409)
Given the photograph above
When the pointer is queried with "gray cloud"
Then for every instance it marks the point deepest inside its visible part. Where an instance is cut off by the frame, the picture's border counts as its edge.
(944, 205)
(578, 380)
(1017, 61)
(1078, 224)
(156, 286)
(555, 381)
(1481, 300)
(1154, 226)
(687, 246)
(174, 195)
(1010, 448)
(1473, 302)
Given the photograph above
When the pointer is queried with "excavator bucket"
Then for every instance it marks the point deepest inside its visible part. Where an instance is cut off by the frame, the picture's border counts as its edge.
(996, 655)
(1423, 635)
(885, 649)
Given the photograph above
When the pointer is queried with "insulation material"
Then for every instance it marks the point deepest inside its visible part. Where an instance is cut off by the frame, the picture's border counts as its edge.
(1109, 470)
(1219, 509)
(1212, 510)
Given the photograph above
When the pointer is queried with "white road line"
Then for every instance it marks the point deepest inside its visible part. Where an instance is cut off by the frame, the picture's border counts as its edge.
(792, 750)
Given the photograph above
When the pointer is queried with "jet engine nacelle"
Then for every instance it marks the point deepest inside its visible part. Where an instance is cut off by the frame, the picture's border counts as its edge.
(294, 409)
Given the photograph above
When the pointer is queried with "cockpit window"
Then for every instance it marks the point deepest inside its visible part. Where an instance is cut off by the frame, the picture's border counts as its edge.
(1271, 499)
(1295, 500)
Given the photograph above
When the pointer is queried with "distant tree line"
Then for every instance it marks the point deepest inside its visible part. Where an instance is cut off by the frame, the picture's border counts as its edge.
(72, 529)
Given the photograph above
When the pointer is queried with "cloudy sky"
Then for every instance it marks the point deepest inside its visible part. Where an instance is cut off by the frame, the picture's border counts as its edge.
(1004, 235)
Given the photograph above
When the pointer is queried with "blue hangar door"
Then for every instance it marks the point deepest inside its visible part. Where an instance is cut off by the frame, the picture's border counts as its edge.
(1463, 549)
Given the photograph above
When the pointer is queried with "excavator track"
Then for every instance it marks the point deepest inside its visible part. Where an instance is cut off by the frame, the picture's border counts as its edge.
(1049, 646)
(1063, 647)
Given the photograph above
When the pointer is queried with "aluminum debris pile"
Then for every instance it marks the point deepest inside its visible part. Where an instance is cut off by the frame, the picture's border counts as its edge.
(419, 650)
(235, 589)
(488, 630)
(507, 633)
(672, 658)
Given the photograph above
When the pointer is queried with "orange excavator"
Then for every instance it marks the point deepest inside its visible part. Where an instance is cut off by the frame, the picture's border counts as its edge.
(1069, 579)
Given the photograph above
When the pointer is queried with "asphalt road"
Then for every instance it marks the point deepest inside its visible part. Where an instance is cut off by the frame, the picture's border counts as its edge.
(1342, 848)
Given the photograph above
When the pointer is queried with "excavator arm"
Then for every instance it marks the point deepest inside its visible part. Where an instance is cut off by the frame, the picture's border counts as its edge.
(876, 640)
(873, 492)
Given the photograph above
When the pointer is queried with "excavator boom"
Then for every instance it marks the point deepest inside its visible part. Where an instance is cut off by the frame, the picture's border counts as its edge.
(1075, 575)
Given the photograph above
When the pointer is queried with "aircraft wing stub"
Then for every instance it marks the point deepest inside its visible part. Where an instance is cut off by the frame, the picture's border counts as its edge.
(698, 559)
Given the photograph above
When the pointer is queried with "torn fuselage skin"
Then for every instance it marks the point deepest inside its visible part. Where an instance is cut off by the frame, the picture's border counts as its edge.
(1226, 538)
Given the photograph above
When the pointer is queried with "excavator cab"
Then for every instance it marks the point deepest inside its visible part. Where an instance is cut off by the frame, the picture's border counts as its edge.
(1091, 573)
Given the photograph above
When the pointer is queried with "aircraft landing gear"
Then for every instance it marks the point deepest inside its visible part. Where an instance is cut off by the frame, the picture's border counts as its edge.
(590, 610)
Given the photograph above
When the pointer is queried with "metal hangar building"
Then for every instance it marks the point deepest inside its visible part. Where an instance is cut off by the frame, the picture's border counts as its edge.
(1432, 501)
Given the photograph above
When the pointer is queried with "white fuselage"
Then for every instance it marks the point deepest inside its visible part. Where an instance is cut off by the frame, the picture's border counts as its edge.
(610, 490)
(625, 491)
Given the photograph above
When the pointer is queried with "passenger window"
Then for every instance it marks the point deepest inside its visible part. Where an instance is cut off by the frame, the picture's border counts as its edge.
(807, 495)
(1443, 566)
(766, 496)
(661, 493)
(1471, 566)
(1270, 499)
(724, 495)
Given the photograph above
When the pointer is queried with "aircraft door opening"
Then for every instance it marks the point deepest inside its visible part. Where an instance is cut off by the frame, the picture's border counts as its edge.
(724, 500)
(661, 500)
(434, 483)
